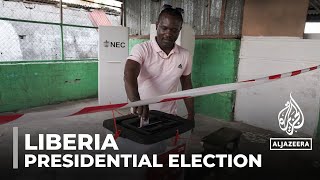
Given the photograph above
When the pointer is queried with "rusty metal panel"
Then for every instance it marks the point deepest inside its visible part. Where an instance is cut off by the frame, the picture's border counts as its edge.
(145, 15)
(155, 11)
(215, 13)
(177, 3)
(203, 15)
(200, 17)
(233, 17)
(133, 17)
(187, 5)
(196, 17)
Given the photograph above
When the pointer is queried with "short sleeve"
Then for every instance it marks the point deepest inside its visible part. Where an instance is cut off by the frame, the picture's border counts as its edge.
(137, 53)
(188, 68)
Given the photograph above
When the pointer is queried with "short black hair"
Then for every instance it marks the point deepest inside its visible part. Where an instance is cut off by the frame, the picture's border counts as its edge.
(172, 12)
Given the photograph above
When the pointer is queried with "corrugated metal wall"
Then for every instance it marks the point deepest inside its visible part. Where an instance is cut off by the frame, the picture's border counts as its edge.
(233, 17)
(204, 15)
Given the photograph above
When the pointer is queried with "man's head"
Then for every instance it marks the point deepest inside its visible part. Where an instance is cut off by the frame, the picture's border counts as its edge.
(169, 25)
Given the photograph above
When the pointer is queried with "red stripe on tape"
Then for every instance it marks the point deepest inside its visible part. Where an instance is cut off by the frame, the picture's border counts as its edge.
(295, 72)
(277, 76)
(8, 118)
(313, 68)
(249, 80)
(173, 99)
(95, 109)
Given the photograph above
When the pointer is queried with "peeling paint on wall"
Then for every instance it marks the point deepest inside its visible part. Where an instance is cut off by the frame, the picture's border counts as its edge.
(26, 85)
(215, 62)
(10, 46)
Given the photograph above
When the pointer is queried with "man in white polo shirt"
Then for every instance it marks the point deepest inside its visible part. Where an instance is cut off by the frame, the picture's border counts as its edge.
(155, 67)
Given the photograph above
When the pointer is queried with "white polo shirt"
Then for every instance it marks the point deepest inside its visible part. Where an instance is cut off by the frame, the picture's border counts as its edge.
(160, 73)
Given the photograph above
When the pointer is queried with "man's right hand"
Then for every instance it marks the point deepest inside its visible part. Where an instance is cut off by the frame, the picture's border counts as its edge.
(131, 73)
(141, 111)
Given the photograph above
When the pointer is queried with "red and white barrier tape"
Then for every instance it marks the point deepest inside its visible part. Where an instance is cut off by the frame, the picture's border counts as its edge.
(164, 98)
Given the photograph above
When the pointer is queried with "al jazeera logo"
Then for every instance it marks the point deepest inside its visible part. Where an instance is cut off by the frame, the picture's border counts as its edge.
(291, 119)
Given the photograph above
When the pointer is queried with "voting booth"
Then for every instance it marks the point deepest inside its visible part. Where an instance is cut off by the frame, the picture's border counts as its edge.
(113, 51)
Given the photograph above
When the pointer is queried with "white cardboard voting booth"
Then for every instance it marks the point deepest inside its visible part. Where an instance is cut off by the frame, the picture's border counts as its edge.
(113, 51)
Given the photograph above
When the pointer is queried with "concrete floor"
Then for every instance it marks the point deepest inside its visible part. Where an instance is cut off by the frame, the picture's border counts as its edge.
(276, 164)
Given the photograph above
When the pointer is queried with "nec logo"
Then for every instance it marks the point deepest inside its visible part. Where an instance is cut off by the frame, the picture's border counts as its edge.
(114, 44)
